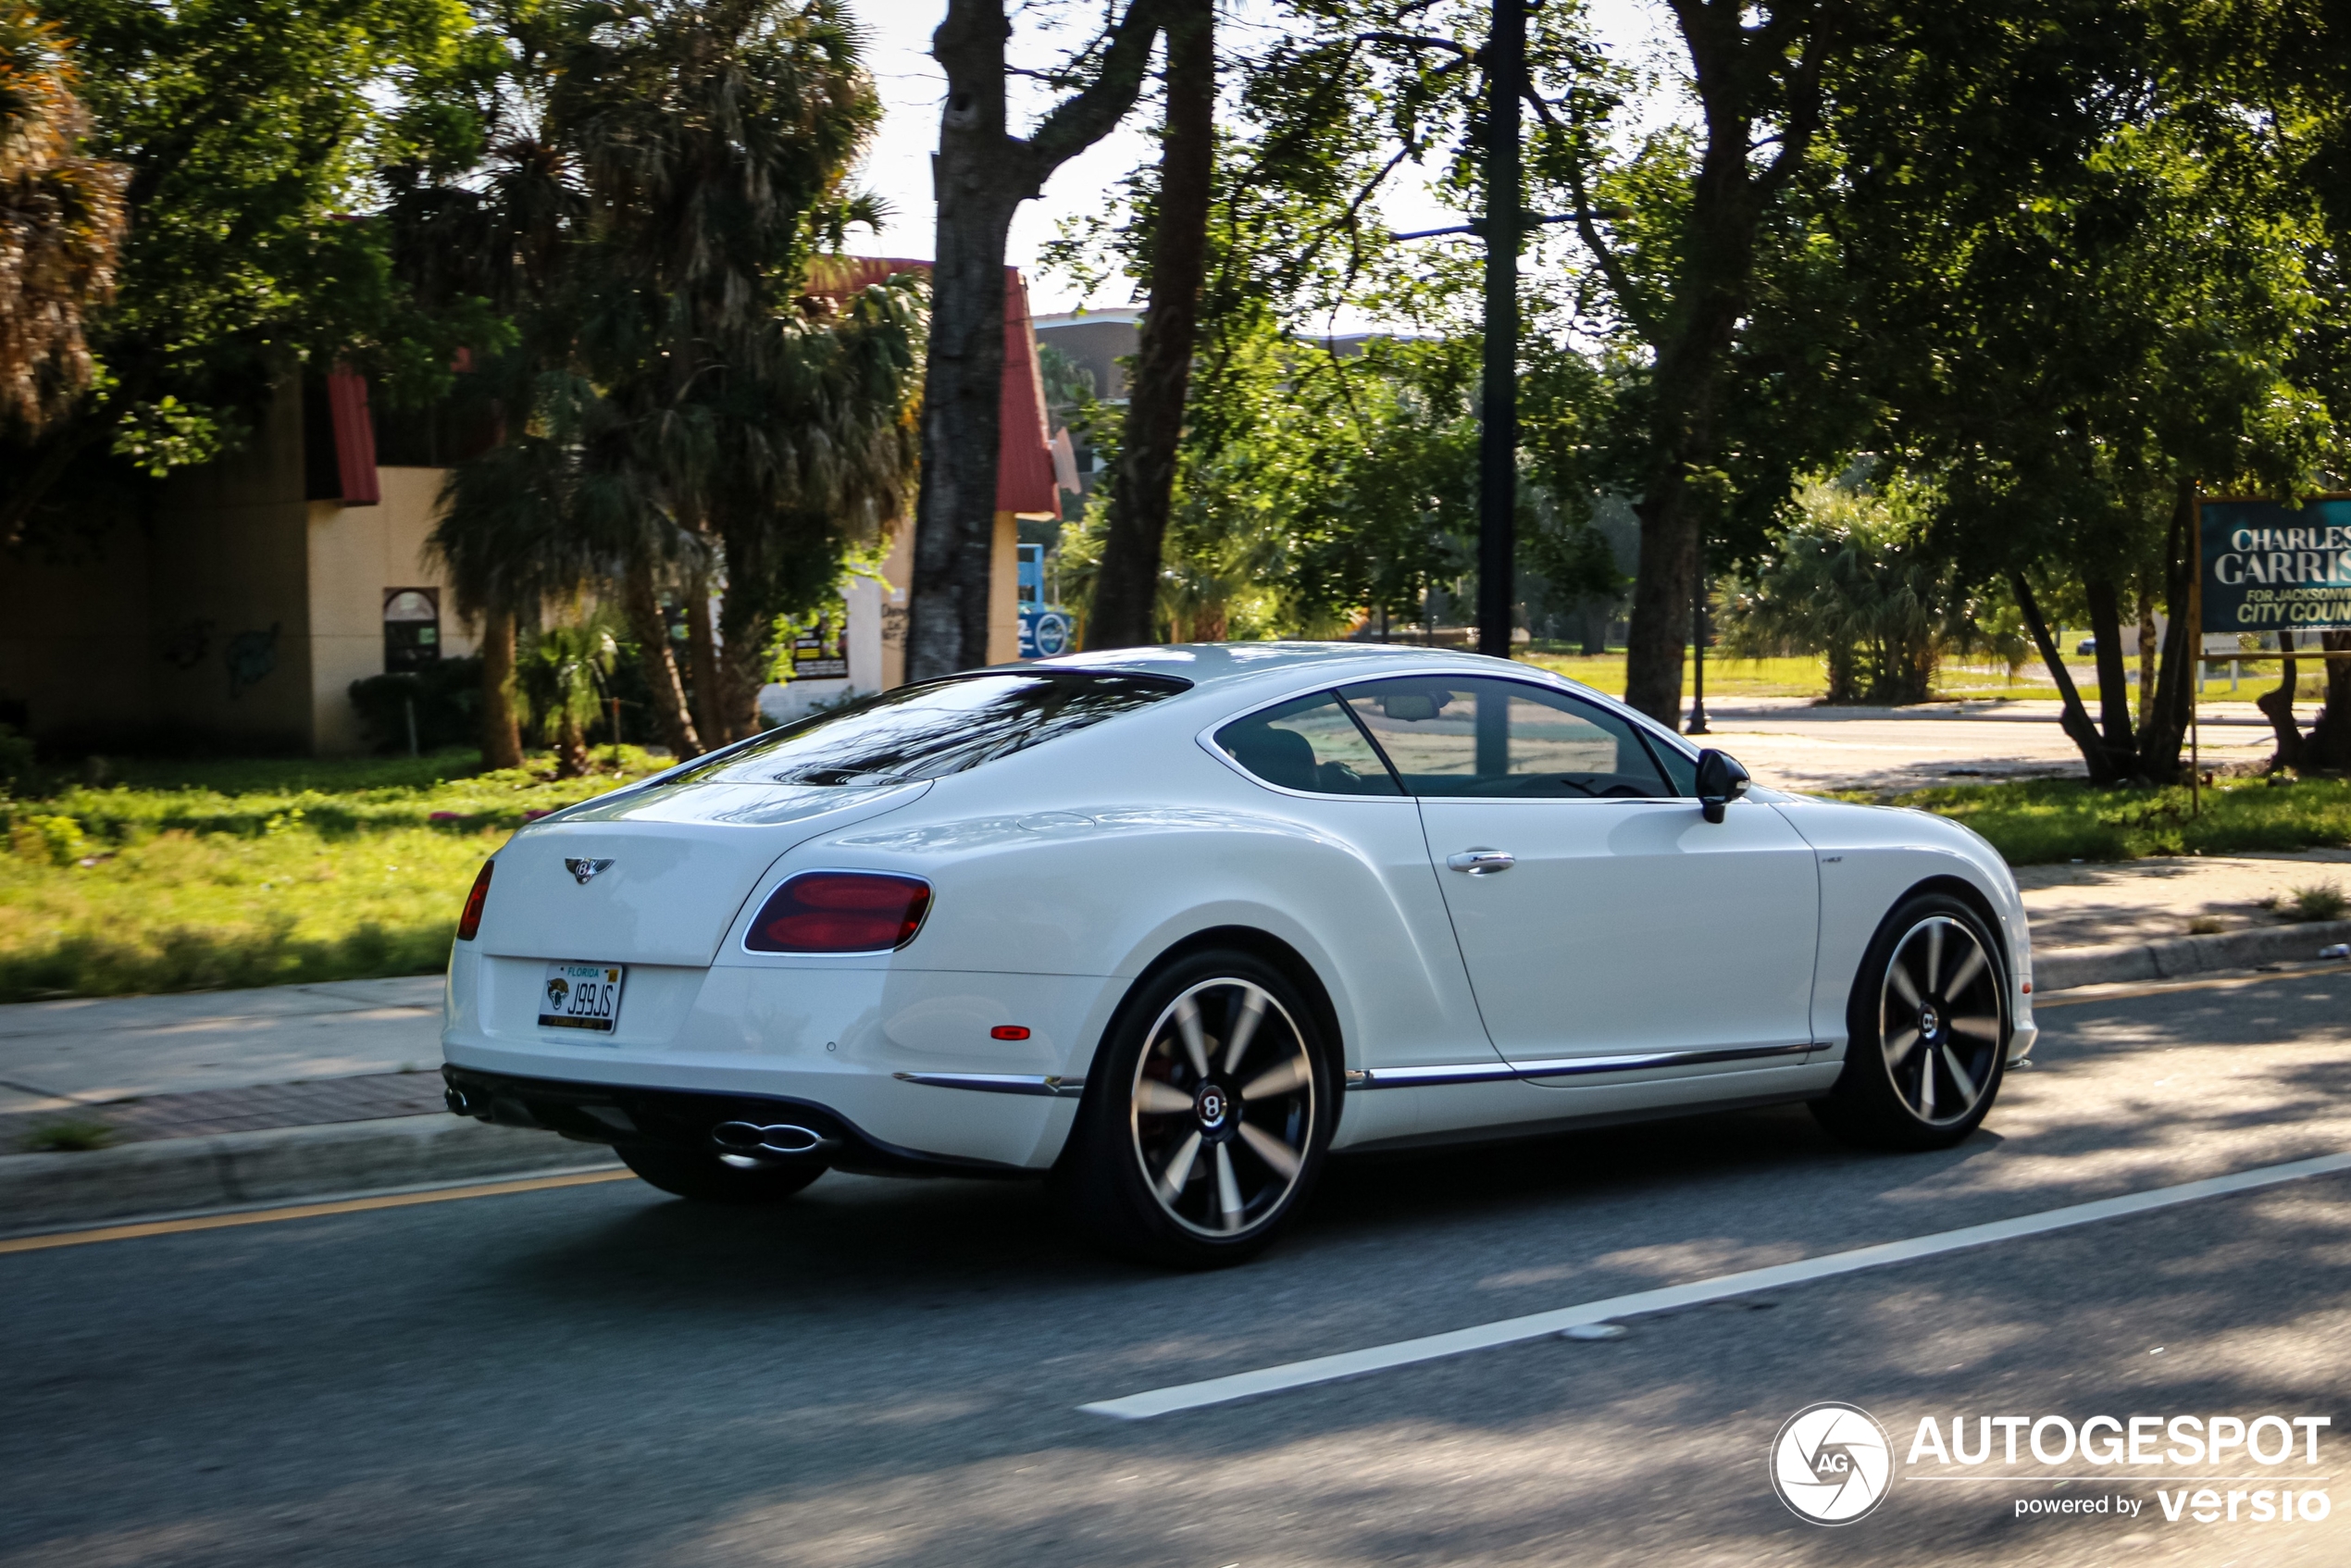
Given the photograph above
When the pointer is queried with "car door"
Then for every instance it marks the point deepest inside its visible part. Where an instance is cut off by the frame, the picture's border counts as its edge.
(1599, 914)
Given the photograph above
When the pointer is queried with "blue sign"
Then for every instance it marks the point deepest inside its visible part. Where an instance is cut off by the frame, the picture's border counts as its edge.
(1044, 634)
(2270, 568)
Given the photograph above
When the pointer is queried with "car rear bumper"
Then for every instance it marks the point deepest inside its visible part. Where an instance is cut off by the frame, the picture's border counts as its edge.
(635, 1115)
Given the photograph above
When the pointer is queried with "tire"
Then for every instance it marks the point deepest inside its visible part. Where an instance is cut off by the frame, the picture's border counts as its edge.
(1173, 1160)
(713, 1179)
(1927, 1031)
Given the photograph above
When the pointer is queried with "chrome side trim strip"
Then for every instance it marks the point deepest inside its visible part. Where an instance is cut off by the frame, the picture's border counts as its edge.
(1000, 1083)
(1571, 1066)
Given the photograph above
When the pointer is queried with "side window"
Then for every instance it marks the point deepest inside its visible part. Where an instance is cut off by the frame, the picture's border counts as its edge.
(1308, 743)
(1447, 736)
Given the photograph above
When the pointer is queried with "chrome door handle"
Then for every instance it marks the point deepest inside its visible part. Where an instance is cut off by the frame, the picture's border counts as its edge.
(1481, 863)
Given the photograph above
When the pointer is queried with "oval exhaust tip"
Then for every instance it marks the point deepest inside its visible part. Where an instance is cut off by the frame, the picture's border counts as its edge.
(749, 1138)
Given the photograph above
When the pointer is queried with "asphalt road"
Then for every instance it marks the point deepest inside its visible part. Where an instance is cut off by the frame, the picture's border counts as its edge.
(887, 1372)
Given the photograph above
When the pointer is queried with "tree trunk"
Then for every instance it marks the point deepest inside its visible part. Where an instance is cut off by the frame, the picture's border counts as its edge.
(2146, 649)
(745, 637)
(2278, 708)
(2328, 746)
(2173, 707)
(571, 747)
(2074, 718)
(702, 662)
(651, 629)
(1734, 67)
(2114, 689)
(1142, 492)
(981, 175)
(501, 730)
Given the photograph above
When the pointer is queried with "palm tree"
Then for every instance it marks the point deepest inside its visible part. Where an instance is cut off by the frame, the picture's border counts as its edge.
(62, 218)
(682, 409)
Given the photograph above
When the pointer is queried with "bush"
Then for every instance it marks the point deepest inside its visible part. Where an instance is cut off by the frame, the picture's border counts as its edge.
(446, 697)
(2321, 900)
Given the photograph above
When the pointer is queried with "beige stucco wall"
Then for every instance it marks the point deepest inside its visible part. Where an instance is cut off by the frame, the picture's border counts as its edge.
(356, 554)
(74, 645)
(1003, 592)
(227, 607)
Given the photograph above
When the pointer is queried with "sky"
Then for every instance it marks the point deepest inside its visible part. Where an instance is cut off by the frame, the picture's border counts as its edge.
(897, 168)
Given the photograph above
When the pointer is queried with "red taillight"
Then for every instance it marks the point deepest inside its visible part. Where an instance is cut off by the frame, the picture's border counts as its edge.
(841, 911)
(469, 923)
(1009, 1031)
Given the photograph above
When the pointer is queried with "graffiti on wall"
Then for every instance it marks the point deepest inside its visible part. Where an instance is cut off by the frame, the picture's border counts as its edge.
(250, 655)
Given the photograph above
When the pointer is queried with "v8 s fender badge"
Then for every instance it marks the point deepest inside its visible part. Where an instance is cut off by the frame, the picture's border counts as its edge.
(584, 871)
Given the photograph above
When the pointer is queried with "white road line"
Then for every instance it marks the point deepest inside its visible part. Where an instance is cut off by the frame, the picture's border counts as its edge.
(1511, 1330)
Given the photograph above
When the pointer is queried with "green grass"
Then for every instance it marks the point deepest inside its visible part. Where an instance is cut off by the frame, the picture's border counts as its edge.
(2044, 819)
(198, 876)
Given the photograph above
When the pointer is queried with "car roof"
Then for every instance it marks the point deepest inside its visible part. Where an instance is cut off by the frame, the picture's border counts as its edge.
(1225, 664)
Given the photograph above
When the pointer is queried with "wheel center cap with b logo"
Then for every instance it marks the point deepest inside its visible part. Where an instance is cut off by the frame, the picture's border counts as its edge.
(1211, 1104)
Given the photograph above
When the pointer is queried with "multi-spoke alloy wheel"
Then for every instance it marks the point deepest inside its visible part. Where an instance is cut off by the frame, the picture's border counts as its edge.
(1207, 1110)
(1221, 1110)
(1928, 1030)
(1939, 1020)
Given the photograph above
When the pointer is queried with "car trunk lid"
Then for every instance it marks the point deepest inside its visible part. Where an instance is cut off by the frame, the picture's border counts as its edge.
(656, 874)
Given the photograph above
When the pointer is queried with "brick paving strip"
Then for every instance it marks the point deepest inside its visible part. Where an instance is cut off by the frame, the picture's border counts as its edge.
(312, 1102)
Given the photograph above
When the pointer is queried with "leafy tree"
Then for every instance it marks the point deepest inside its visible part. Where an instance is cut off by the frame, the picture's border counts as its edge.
(564, 671)
(696, 405)
(250, 130)
(1857, 581)
(2090, 296)
(1144, 484)
(983, 172)
(61, 220)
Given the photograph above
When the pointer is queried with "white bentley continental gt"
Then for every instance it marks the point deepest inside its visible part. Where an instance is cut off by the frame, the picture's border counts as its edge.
(1175, 923)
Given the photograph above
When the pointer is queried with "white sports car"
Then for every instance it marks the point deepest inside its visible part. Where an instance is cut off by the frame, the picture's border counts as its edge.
(1175, 924)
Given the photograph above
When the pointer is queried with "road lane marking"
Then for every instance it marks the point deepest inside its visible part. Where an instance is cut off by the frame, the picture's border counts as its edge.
(1534, 1325)
(302, 1211)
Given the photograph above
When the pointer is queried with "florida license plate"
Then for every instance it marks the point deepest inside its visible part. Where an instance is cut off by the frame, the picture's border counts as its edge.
(581, 996)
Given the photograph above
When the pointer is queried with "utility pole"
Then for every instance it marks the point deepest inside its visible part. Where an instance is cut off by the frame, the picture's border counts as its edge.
(1698, 640)
(1498, 437)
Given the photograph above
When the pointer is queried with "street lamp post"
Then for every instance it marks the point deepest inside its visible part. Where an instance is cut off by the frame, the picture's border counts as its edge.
(1497, 435)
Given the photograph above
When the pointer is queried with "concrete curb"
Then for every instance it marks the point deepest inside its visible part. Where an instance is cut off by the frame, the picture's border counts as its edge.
(2058, 969)
(47, 1192)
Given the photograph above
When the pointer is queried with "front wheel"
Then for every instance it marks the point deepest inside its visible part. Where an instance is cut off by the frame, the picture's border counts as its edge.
(1206, 1116)
(1927, 1031)
(719, 1178)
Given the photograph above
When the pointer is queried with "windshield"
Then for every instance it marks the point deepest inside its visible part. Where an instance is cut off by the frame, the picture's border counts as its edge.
(934, 728)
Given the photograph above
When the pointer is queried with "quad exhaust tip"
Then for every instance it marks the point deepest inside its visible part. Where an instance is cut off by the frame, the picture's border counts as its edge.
(781, 1138)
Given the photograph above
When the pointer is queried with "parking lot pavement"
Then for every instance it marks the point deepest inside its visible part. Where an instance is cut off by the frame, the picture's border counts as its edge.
(1791, 744)
(890, 1373)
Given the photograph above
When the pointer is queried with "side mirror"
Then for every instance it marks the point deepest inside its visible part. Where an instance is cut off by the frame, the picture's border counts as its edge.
(1720, 780)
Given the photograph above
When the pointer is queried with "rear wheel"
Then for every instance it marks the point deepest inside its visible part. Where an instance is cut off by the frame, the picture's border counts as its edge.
(1206, 1115)
(1927, 1031)
(720, 1178)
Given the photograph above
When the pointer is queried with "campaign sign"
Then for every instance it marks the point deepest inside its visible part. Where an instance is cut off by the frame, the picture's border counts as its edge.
(2268, 567)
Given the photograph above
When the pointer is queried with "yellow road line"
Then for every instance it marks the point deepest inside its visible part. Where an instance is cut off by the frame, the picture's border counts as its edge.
(2158, 988)
(302, 1211)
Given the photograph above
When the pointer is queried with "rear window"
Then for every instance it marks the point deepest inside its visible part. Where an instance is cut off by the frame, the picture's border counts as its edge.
(934, 728)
